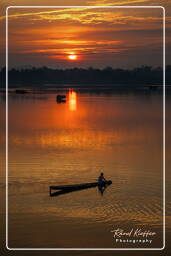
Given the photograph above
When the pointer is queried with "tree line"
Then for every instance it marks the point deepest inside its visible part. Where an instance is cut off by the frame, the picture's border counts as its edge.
(45, 75)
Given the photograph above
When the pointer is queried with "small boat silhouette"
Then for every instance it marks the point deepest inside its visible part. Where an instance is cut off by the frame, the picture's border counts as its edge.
(20, 91)
(61, 98)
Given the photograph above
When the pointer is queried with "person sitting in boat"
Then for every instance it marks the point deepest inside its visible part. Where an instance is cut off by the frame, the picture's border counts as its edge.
(101, 179)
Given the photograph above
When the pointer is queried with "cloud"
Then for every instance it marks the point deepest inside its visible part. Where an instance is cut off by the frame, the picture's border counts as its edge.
(99, 18)
(89, 47)
(87, 16)
(22, 12)
(118, 2)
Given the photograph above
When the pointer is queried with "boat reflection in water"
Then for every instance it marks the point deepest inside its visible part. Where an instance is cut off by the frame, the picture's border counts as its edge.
(72, 100)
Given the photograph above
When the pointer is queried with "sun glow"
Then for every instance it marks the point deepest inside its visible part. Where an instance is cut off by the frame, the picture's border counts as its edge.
(72, 57)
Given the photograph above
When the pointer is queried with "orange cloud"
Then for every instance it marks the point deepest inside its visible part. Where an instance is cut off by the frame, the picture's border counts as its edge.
(86, 15)
(117, 2)
(98, 16)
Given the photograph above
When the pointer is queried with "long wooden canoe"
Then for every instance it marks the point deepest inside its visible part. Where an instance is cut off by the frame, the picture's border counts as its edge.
(79, 186)
(71, 188)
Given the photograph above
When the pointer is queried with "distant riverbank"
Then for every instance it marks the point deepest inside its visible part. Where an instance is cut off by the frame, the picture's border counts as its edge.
(83, 88)
(91, 77)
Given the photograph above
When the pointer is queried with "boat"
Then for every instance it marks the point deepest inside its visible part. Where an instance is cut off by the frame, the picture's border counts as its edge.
(78, 186)
(61, 98)
(20, 91)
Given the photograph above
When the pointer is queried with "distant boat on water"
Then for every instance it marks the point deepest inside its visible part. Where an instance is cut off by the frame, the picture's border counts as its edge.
(153, 87)
(20, 91)
(61, 98)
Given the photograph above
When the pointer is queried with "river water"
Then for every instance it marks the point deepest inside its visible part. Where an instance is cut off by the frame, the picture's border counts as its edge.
(54, 143)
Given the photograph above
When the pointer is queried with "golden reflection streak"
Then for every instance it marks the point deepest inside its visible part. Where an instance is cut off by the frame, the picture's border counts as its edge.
(84, 139)
(72, 100)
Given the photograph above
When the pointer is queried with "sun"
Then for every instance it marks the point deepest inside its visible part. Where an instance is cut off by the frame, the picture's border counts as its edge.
(72, 57)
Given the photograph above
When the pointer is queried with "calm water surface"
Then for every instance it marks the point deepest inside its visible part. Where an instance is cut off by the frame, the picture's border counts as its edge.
(68, 143)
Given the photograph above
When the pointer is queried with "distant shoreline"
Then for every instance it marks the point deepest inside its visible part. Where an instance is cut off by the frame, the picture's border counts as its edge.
(65, 88)
(90, 77)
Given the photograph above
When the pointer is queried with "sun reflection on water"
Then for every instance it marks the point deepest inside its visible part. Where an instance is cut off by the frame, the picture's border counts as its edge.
(72, 100)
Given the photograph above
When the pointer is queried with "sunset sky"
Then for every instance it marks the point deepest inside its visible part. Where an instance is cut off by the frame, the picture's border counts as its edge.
(84, 37)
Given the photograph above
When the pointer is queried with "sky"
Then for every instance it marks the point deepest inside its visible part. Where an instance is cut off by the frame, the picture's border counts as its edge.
(86, 36)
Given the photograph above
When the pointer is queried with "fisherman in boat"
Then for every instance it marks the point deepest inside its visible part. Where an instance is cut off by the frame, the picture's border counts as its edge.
(101, 179)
